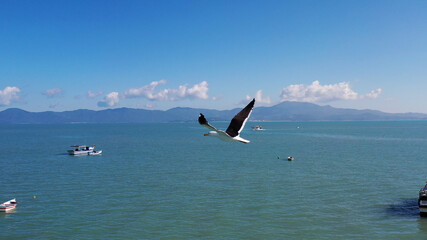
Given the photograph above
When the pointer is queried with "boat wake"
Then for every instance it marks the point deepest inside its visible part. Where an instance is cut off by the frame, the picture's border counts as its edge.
(404, 208)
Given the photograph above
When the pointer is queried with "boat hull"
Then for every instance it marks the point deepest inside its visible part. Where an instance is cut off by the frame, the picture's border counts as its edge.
(422, 205)
(422, 201)
(72, 152)
(8, 206)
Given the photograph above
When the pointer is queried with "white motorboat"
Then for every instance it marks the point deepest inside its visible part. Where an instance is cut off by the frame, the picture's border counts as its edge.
(81, 150)
(9, 205)
(258, 128)
(95, 152)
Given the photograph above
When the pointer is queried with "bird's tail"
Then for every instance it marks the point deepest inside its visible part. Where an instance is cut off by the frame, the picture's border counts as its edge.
(238, 138)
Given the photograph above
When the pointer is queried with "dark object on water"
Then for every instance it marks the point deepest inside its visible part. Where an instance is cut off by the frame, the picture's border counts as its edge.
(290, 158)
(422, 201)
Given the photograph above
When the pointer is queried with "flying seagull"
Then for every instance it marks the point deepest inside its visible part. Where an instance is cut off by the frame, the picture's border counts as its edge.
(232, 134)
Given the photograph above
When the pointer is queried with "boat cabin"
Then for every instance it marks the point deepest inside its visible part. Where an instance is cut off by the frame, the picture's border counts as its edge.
(81, 149)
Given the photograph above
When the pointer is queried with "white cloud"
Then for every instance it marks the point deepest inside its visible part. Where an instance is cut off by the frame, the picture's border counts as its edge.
(259, 99)
(198, 91)
(149, 106)
(53, 92)
(323, 93)
(110, 100)
(373, 94)
(216, 98)
(9, 95)
(91, 94)
(145, 91)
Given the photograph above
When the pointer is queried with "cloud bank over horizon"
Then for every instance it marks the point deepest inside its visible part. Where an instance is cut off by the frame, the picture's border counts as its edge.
(155, 92)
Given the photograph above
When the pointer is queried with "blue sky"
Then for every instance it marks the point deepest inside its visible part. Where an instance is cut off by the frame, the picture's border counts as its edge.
(67, 55)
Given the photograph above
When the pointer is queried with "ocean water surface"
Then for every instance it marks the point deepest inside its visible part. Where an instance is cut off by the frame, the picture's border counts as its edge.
(349, 180)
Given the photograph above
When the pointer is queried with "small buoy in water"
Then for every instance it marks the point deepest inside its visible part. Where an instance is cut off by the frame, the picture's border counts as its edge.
(278, 157)
(34, 196)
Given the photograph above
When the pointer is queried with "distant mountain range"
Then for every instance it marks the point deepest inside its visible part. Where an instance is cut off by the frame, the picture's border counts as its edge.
(285, 111)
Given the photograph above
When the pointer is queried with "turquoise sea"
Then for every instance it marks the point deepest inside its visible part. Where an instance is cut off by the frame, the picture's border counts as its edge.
(349, 180)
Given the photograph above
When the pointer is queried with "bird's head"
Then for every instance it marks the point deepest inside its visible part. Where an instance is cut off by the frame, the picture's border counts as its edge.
(211, 133)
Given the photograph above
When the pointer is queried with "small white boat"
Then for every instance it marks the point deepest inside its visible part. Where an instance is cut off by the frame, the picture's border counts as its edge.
(81, 150)
(258, 128)
(290, 158)
(9, 205)
(95, 152)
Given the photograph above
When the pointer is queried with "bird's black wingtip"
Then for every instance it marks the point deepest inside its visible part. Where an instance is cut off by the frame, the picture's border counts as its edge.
(252, 103)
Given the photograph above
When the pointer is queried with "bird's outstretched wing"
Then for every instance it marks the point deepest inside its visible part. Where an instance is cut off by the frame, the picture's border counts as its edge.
(204, 123)
(238, 122)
